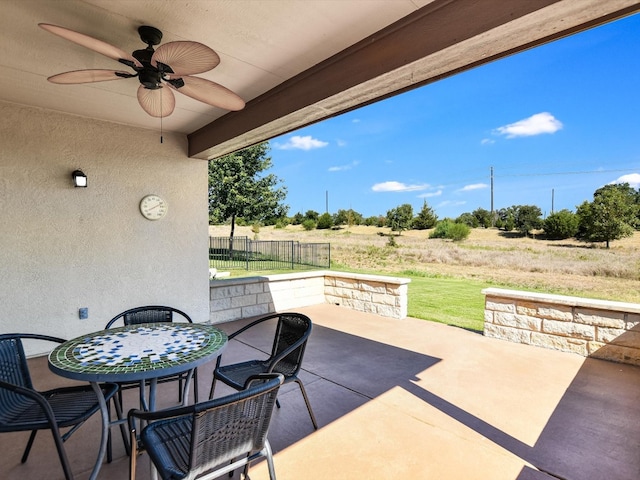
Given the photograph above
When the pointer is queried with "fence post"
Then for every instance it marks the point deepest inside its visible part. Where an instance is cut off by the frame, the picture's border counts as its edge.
(246, 253)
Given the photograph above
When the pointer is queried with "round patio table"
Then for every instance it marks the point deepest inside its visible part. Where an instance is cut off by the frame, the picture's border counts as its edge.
(143, 352)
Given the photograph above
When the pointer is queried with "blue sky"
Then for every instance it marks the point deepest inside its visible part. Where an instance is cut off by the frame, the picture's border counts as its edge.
(561, 118)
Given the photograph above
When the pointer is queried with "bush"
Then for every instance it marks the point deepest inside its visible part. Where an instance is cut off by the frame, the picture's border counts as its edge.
(561, 225)
(308, 225)
(325, 221)
(450, 230)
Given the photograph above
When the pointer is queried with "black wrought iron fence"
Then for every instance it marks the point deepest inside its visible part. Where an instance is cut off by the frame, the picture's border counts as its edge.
(242, 252)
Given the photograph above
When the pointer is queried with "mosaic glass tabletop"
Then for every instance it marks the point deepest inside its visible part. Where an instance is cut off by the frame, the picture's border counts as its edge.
(137, 352)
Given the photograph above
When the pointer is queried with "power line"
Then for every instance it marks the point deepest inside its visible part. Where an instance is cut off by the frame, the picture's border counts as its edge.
(565, 173)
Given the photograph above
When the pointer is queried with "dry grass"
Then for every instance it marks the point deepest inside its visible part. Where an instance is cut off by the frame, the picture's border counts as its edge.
(566, 266)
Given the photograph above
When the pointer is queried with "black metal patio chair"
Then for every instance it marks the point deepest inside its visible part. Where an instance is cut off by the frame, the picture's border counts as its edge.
(209, 439)
(155, 314)
(23, 408)
(287, 352)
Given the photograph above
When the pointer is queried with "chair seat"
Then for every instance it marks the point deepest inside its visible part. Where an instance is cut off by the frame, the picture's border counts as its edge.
(236, 375)
(70, 406)
(168, 444)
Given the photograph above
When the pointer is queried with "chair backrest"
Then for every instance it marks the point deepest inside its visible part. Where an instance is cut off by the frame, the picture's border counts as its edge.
(13, 363)
(148, 314)
(217, 431)
(292, 328)
(14, 369)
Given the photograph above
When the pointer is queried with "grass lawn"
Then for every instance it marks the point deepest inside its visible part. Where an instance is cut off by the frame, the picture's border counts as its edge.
(453, 301)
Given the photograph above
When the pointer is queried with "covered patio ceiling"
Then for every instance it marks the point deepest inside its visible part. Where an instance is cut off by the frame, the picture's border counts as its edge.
(294, 62)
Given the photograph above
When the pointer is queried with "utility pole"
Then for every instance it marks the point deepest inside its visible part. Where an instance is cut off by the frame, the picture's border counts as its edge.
(326, 201)
(492, 216)
(552, 196)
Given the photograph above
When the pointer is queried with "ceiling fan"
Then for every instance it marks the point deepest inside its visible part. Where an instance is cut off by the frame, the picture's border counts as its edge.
(172, 65)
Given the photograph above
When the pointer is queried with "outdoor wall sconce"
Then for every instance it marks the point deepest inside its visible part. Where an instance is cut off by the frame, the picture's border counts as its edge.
(79, 178)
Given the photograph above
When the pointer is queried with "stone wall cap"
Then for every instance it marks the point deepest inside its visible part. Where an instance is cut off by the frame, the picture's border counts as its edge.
(563, 300)
(312, 274)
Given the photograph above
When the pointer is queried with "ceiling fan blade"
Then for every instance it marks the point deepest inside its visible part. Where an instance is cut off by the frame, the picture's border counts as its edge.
(88, 76)
(92, 43)
(186, 58)
(209, 92)
(157, 103)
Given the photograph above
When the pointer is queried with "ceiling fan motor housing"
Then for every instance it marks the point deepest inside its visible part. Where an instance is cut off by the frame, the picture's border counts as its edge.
(149, 35)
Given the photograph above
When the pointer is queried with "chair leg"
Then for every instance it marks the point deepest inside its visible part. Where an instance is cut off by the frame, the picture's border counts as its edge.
(195, 385)
(306, 400)
(213, 387)
(109, 442)
(123, 429)
(27, 449)
(68, 475)
(269, 455)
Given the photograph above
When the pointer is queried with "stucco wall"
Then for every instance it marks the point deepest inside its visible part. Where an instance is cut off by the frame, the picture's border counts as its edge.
(62, 248)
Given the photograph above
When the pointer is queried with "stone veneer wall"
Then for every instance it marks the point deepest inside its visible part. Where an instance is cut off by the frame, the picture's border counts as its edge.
(588, 327)
(236, 298)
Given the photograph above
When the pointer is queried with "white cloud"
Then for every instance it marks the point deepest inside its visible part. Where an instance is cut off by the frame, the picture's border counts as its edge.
(449, 203)
(341, 168)
(397, 187)
(341, 143)
(473, 186)
(301, 143)
(487, 141)
(633, 179)
(534, 125)
(437, 193)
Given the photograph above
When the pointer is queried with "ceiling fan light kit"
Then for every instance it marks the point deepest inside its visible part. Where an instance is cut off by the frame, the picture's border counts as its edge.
(171, 65)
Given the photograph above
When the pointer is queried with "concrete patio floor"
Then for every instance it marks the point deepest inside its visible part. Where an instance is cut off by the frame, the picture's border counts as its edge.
(400, 399)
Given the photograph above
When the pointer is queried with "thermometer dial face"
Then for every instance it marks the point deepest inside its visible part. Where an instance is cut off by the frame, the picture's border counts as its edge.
(153, 207)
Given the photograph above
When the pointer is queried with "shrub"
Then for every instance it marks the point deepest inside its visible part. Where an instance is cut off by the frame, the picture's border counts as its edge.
(561, 225)
(450, 230)
(308, 225)
(325, 221)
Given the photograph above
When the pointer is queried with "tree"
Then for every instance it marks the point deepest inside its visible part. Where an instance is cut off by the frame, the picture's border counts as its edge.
(237, 189)
(527, 218)
(468, 219)
(297, 219)
(347, 217)
(505, 218)
(426, 218)
(483, 217)
(609, 216)
(311, 215)
(631, 196)
(561, 225)
(400, 218)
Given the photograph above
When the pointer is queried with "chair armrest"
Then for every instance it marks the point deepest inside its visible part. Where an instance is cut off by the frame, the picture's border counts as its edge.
(288, 350)
(33, 395)
(253, 324)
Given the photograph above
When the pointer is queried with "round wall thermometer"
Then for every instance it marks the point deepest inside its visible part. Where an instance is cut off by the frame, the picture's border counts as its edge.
(153, 207)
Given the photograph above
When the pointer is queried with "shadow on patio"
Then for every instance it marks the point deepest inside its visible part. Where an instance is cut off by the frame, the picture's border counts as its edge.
(413, 399)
